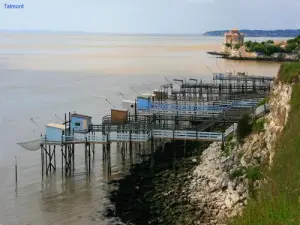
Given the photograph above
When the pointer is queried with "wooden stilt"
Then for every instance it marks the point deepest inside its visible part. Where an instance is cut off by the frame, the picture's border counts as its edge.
(89, 156)
(54, 151)
(42, 159)
(174, 150)
(73, 156)
(152, 152)
(45, 149)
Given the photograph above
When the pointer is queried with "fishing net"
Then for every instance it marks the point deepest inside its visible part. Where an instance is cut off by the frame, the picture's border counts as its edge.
(31, 145)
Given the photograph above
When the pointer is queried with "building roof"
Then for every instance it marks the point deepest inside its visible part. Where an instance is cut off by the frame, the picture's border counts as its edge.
(156, 90)
(129, 101)
(56, 125)
(117, 109)
(80, 116)
(146, 95)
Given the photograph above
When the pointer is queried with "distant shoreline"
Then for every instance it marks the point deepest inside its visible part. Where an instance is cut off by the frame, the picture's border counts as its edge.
(258, 33)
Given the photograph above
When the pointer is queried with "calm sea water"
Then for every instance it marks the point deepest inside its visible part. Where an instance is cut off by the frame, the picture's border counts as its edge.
(43, 75)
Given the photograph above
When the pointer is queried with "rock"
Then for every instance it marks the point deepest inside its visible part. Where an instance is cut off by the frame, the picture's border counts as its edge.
(234, 198)
(228, 202)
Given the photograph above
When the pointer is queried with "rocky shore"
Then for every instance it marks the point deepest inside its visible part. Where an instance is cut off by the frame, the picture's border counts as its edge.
(208, 189)
(158, 196)
(275, 58)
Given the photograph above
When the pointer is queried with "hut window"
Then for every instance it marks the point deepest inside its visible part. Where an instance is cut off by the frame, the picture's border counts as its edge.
(77, 124)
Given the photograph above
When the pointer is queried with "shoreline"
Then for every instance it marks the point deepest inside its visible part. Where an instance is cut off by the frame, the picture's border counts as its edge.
(257, 59)
(261, 58)
(141, 195)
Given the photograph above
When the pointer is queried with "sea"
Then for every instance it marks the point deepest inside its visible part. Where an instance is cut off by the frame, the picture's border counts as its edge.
(44, 75)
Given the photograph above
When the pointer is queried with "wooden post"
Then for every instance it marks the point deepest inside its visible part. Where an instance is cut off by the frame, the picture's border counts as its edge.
(174, 150)
(198, 146)
(152, 152)
(16, 170)
(50, 159)
(62, 159)
(130, 147)
(184, 149)
(42, 160)
(54, 152)
(66, 159)
(89, 152)
(224, 129)
(45, 149)
(73, 156)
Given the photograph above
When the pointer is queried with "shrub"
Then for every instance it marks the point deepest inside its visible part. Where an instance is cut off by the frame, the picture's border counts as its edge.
(236, 173)
(237, 46)
(258, 125)
(243, 127)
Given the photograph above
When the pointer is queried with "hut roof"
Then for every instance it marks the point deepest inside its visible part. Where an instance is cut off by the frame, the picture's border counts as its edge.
(117, 109)
(56, 125)
(147, 95)
(129, 101)
(80, 116)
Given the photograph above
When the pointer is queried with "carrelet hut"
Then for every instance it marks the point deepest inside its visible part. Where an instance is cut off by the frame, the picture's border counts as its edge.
(80, 122)
(54, 132)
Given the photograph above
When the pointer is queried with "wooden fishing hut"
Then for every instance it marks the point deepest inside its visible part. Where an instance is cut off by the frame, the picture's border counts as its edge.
(144, 102)
(80, 122)
(54, 132)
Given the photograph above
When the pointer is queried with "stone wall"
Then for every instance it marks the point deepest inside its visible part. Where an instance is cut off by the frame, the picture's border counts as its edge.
(220, 183)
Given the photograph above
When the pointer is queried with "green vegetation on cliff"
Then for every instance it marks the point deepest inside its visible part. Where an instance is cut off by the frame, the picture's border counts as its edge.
(269, 48)
(289, 72)
(278, 201)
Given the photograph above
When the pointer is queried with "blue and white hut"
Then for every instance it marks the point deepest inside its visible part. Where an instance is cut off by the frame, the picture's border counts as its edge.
(130, 106)
(144, 102)
(54, 132)
(80, 122)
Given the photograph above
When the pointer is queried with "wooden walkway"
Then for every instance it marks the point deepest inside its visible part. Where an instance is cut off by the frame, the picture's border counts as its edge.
(143, 137)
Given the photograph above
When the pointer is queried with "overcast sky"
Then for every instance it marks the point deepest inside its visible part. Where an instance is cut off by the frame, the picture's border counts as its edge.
(150, 16)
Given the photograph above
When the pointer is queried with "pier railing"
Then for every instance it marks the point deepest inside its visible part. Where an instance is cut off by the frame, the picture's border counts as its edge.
(187, 135)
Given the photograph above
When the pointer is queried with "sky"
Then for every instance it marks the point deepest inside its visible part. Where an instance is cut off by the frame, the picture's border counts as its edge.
(150, 16)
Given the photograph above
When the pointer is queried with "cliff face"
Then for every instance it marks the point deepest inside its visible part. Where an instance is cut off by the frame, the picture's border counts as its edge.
(223, 180)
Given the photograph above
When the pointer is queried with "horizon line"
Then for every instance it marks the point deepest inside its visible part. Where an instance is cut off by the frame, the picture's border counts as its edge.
(95, 32)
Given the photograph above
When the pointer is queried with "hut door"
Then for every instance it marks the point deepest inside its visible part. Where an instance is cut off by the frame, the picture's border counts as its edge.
(85, 124)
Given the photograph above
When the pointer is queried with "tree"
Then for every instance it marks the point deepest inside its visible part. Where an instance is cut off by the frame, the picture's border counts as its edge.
(291, 47)
(237, 46)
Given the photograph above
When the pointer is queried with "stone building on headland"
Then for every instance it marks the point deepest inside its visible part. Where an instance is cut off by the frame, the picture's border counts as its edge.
(234, 37)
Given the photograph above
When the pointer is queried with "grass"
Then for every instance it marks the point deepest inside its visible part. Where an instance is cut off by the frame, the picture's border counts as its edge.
(289, 72)
(278, 200)
(254, 173)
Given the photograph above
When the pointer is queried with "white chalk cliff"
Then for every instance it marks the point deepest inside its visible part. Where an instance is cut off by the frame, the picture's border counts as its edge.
(217, 187)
